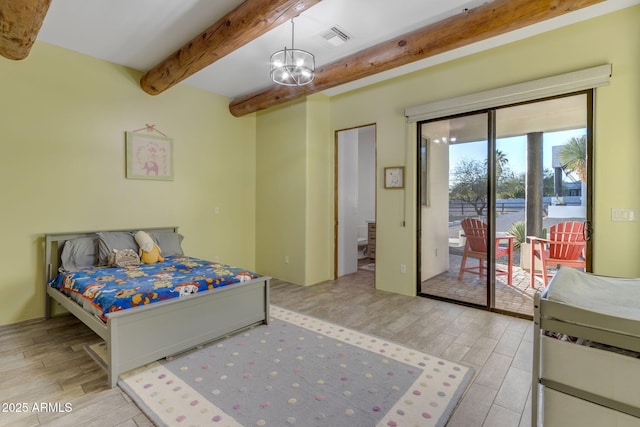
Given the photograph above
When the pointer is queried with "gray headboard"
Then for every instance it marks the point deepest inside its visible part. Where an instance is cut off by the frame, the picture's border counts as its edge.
(55, 241)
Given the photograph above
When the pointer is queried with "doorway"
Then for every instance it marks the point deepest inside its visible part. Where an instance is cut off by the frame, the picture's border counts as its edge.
(355, 200)
(511, 173)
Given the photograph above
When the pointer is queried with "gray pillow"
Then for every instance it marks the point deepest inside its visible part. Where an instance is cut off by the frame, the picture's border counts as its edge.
(79, 253)
(108, 240)
(170, 243)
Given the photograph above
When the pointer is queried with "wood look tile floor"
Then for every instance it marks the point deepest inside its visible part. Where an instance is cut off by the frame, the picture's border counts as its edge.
(44, 361)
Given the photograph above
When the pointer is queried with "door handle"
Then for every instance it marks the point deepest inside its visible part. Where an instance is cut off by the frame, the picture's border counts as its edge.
(587, 231)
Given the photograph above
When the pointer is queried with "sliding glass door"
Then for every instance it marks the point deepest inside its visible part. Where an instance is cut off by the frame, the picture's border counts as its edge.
(492, 185)
(454, 187)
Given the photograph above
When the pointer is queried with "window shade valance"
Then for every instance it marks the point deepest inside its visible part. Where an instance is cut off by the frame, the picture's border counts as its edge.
(536, 89)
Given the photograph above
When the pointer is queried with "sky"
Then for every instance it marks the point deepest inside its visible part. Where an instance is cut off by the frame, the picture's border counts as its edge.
(514, 149)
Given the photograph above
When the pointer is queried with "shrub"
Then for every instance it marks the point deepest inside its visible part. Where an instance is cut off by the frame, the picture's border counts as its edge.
(517, 231)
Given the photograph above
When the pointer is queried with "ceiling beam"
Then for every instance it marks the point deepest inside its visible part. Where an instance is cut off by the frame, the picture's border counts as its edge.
(483, 22)
(20, 22)
(245, 23)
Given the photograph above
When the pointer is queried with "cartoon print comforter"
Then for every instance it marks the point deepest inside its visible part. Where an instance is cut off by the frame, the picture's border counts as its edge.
(102, 290)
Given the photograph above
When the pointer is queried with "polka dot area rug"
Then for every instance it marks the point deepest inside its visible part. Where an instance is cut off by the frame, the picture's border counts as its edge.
(299, 371)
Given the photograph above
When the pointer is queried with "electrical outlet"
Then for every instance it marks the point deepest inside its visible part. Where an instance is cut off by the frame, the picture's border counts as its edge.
(286, 259)
(403, 268)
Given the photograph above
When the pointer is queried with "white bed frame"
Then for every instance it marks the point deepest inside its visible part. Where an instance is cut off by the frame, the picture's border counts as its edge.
(579, 385)
(140, 335)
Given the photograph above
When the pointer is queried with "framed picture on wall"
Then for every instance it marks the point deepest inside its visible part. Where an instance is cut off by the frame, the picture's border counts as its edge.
(394, 177)
(149, 156)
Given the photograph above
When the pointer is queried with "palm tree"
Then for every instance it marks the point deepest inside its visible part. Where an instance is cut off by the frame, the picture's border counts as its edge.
(501, 163)
(573, 156)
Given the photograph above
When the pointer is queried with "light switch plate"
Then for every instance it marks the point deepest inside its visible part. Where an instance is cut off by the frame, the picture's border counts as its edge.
(625, 215)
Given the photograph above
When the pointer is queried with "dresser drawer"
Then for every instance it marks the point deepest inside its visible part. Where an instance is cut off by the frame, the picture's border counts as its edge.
(371, 239)
(371, 229)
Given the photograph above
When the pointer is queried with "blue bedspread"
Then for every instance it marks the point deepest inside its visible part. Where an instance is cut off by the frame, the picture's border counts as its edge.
(103, 290)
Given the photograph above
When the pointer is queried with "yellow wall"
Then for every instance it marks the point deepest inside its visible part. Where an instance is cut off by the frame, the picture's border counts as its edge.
(613, 38)
(294, 194)
(62, 166)
(319, 245)
(281, 151)
(271, 174)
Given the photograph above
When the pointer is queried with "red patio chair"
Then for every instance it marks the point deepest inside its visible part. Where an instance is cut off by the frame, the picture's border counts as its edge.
(475, 233)
(565, 246)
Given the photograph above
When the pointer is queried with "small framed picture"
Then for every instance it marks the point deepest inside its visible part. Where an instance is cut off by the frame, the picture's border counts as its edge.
(394, 177)
(149, 157)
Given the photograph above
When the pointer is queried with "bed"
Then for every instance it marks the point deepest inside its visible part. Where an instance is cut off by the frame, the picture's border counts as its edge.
(152, 325)
(596, 383)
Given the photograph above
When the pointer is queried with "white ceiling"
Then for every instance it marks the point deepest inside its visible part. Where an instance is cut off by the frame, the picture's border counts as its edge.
(141, 33)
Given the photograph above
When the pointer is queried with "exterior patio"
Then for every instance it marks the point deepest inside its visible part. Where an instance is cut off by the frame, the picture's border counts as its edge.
(517, 298)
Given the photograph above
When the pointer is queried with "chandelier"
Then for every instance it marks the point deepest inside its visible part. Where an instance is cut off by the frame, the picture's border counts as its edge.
(292, 67)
